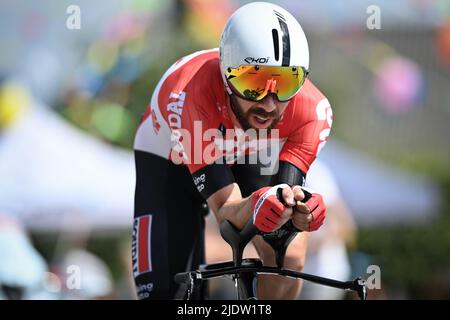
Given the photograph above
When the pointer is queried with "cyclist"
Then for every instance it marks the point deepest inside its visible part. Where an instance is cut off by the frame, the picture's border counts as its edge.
(211, 115)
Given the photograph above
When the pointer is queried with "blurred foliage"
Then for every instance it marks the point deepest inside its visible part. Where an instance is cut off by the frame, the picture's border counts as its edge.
(114, 111)
(415, 258)
(107, 246)
(142, 89)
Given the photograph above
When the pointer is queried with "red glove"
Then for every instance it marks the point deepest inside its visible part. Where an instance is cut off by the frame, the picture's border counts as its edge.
(267, 208)
(317, 208)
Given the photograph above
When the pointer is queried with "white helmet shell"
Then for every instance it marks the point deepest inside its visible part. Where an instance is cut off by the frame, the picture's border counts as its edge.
(261, 33)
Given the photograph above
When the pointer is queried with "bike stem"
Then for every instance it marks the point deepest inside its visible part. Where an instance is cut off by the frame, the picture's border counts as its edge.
(279, 241)
(237, 239)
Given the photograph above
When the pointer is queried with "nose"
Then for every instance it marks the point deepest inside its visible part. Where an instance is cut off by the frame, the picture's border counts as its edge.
(269, 103)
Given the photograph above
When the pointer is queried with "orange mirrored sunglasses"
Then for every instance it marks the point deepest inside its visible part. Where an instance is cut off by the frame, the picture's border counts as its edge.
(256, 82)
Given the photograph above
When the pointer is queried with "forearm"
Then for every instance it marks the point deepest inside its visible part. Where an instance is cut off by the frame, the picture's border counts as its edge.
(238, 212)
(228, 204)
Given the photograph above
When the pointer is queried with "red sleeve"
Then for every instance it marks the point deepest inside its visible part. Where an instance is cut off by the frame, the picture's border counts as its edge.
(312, 120)
(200, 151)
(196, 134)
(187, 102)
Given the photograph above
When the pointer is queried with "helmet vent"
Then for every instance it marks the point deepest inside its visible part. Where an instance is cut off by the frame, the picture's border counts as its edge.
(276, 45)
(285, 38)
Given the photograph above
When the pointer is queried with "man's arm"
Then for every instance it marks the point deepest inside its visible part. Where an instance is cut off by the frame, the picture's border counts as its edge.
(216, 184)
(307, 216)
(228, 204)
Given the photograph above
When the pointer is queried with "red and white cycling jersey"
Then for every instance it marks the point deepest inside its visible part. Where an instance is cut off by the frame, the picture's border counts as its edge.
(191, 98)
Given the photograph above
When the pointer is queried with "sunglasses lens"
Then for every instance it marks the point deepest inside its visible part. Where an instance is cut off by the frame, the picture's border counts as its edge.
(255, 82)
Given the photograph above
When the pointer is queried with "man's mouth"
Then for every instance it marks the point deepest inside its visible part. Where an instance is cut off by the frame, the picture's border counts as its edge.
(260, 122)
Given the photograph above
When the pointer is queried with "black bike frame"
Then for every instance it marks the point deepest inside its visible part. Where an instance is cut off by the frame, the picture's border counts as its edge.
(245, 271)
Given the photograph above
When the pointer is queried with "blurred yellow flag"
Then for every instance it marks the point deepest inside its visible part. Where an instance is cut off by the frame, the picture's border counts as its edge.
(14, 100)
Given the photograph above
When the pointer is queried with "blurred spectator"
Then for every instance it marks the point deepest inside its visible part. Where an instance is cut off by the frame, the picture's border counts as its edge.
(85, 276)
(125, 288)
(22, 269)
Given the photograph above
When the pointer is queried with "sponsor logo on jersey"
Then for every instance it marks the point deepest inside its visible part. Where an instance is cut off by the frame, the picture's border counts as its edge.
(141, 245)
(143, 290)
(156, 125)
(324, 113)
(175, 108)
(200, 182)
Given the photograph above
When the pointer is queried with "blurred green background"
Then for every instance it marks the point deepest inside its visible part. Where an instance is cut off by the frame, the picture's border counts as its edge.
(389, 89)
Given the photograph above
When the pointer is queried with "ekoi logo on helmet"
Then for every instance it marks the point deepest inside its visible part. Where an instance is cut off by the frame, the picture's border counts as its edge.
(251, 60)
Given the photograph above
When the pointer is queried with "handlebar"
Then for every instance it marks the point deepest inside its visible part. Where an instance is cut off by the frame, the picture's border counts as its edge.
(193, 278)
(278, 240)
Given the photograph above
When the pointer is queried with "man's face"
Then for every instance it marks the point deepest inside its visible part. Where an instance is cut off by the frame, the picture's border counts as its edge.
(264, 114)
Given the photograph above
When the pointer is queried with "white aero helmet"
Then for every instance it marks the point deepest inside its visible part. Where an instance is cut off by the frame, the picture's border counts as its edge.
(261, 33)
